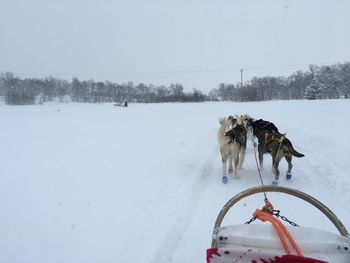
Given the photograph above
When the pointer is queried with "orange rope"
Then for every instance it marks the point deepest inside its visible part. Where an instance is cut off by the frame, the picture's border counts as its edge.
(279, 227)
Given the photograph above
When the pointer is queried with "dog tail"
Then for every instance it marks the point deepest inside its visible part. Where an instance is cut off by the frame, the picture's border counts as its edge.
(297, 154)
(223, 126)
(222, 138)
(291, 149)
(222, 121)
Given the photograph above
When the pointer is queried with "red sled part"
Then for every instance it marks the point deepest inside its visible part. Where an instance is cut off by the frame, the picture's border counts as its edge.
(216, 255)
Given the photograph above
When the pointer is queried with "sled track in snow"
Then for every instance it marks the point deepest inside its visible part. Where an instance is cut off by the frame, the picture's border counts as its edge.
(174, 237)
(321, 183)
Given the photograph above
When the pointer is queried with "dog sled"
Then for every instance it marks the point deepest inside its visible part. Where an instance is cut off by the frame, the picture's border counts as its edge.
(274, 241)
(121, 104)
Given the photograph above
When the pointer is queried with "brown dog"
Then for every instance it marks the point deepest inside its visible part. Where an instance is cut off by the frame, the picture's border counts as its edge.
(277, 144)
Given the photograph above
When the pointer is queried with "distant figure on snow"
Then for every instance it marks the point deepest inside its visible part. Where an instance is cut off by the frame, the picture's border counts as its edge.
(125, 104)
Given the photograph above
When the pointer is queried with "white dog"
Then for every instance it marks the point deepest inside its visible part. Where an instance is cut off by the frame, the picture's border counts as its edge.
(229, 149)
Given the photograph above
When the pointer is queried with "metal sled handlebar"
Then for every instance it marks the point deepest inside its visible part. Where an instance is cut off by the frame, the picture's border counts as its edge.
(324, 209)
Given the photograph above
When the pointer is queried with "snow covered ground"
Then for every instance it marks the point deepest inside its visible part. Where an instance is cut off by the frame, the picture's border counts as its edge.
(97, 183)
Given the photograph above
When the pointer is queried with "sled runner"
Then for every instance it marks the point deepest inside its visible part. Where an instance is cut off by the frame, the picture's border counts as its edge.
(273, 241)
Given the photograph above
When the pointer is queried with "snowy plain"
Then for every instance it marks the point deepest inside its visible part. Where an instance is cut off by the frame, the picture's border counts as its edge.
(97, 183)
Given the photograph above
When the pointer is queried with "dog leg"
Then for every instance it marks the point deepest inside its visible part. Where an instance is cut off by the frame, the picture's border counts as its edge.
(241, 158)
(275, 162)
(224, 157)
(236, 160)
(290, 166)
(224, 166)
(224, 177)
(230, 168)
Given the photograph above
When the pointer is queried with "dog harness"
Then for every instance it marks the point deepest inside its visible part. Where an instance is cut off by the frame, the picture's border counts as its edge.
(274, 138)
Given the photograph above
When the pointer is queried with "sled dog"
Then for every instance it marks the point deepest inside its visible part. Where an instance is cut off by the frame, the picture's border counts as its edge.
(229, 148)
(277, 144)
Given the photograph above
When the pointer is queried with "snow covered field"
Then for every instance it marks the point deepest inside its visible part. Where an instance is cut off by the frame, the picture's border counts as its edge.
(97, 183)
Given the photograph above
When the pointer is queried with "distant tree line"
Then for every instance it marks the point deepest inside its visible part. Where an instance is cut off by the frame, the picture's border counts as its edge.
(17, 91)
(325, 82)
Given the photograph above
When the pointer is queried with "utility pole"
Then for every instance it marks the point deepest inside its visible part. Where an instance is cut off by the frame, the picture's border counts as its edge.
(241, 77)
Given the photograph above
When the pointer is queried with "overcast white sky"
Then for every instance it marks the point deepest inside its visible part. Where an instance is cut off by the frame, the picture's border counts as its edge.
(196, 43)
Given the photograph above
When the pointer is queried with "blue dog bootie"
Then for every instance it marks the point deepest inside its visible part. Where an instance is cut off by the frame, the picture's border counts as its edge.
(288, 176)
(274, 182)
(225, 179)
